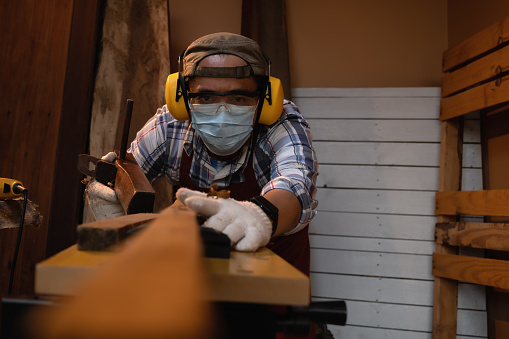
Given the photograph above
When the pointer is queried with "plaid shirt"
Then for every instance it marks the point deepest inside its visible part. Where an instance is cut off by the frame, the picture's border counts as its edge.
(284, 157)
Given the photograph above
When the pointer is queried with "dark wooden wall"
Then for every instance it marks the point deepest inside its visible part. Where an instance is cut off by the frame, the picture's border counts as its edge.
(47, 54)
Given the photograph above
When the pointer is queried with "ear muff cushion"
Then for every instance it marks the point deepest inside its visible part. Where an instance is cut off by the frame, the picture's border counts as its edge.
(175, 102)
(272, 111)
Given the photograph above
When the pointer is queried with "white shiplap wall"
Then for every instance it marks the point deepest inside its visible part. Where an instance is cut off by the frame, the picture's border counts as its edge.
(372, 240)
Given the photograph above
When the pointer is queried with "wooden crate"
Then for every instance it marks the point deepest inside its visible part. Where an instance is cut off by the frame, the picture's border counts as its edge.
(476, 74)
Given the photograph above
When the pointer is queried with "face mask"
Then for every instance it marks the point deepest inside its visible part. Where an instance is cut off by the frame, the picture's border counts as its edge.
(224, 128)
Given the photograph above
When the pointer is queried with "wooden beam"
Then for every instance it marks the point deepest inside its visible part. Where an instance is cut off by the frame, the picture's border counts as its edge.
(486, 40)
(482, 271)
(445, 291)
(481, 70)
(493, 236)
(480, 97)
(484, 203)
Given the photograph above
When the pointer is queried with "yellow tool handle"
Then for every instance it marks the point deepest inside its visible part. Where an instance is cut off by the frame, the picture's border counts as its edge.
(10, 188)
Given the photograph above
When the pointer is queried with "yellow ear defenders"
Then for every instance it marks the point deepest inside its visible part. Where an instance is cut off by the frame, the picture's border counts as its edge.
(269, 110)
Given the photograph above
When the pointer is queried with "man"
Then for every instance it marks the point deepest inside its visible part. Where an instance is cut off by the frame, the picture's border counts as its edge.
(270, 170)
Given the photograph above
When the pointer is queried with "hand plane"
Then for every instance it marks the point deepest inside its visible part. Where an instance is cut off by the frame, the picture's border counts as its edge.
(131, 186)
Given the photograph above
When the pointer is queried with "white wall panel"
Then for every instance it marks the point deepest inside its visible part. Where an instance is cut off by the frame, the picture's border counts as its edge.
(373, 237)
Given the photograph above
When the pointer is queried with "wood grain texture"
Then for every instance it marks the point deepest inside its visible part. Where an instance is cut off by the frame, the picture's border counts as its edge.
(476, 98)
(487, 272)
(32, 81)
(259, 277)
(488, 67)
(485, 203)
(483, 41)
(493, 236)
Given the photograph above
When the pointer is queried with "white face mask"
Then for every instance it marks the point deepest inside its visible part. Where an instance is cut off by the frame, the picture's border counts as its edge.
(224, 128)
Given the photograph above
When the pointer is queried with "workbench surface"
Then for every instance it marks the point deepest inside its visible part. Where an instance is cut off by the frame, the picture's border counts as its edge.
(259, 277)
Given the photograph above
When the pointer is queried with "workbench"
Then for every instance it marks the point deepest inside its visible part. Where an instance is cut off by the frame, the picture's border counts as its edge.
(257, 277)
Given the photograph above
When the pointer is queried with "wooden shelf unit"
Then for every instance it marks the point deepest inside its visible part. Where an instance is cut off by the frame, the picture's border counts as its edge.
(476, 74)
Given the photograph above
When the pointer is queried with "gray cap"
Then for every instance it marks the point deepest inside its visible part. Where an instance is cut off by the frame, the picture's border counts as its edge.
(225, 43)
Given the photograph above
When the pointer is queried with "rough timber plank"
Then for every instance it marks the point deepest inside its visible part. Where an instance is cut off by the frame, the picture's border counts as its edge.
(493, 236)
(479, 43)
(478, 71)
(445, 292)
(486, 202)
(483, 96)
(482, 271)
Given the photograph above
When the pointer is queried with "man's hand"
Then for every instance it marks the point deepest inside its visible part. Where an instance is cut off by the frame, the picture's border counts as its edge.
(247, 226)
(103, 201)
(110, 157)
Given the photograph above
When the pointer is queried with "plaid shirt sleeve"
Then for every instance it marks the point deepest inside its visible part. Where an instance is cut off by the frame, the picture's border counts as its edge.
(156, 145)
(291, 160)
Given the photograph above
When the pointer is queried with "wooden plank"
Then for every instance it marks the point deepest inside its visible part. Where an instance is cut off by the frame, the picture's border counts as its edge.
(376, 201)
(260, 277)
(156, 287)
(362, 153)
(379, 177)
(74, 125)
(367, 92)
(375, 130)
(393, 226)
(369, 107)
(487, 272)
(445, 291)
(371, 321)
(372, 245)
(397, 177)
(357, 332)
(372, 289)
(493, 236)
(106, 234)
(389, 316)
(485, 203)
(480, 97)
(476, 72)
(36, 51)
(483, 41)
(390, 265)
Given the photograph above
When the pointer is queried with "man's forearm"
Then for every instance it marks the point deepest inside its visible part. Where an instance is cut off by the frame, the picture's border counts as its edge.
(289, 209)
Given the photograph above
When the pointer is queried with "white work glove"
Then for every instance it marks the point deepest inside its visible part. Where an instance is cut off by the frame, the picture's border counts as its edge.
(110, 157)
(247, 226)
(103, 200)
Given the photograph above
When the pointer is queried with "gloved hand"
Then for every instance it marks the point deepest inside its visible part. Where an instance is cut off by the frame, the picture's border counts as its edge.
(110, 157)
(247, 226)
(103, 201)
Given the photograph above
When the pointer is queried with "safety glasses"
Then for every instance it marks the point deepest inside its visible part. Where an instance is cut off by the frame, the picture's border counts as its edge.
(205, 102)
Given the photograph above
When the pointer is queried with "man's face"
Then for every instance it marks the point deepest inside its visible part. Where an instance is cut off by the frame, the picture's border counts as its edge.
(222, 85)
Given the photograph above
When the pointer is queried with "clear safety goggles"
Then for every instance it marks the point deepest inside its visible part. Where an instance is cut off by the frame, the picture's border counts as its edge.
(234, 101)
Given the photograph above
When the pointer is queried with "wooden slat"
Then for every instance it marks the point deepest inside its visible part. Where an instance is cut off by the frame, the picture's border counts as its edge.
(445, 292)
(478, 71)
(478, 44)
(375, 264)
(492, 236)
(483, 96)
(482, 271)
(485, 203)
